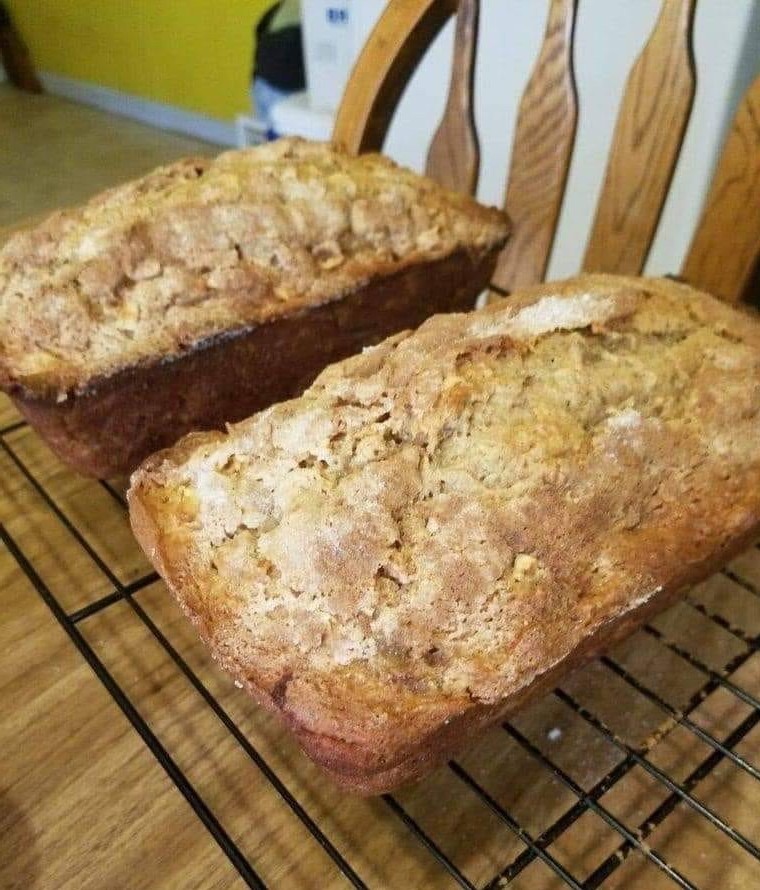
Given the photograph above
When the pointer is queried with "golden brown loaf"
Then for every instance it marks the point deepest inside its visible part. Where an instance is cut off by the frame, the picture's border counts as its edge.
(440, 526)
(281, 244)
(208, 245)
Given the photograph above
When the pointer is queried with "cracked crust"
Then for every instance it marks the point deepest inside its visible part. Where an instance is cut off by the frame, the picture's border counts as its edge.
(129, 415)
(441, 526)
(206, 247)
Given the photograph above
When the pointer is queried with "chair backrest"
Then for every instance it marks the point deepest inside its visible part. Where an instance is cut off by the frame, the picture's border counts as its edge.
(647, 139)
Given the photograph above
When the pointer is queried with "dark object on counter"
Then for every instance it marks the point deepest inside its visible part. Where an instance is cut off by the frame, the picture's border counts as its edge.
(15, 56)
(279, 53)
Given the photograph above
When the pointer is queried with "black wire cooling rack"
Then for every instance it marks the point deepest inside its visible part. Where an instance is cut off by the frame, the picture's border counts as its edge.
(722, 747)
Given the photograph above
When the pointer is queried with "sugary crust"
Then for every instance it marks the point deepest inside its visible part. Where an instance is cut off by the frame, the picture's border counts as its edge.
(126, 416)
(441, 527)
(163, 265)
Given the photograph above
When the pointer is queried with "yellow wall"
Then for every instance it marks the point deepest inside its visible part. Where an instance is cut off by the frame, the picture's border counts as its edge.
(195, 54)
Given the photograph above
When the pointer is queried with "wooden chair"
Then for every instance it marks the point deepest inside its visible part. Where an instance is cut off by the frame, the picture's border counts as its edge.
(646, 144)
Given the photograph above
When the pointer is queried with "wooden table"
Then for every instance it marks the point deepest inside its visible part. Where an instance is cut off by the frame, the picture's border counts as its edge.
(130, 761)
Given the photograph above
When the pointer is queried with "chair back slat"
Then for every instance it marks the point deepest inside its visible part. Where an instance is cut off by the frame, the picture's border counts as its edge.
(717, 263)
(454, 154)
(541, 153)
(645, 146)
(395, 46)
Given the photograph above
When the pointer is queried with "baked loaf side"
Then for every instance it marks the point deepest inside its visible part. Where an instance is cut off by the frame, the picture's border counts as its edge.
(440, 525)
(131, 414)
(205, 247)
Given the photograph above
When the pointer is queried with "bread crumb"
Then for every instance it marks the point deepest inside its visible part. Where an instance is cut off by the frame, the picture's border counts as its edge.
(626, 419)
(524, 565)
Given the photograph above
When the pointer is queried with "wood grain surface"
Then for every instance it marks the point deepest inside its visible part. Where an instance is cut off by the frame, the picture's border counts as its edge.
(645, 146)
(387, 61)
(85, 804)
(726, 244)
(541, 153)
(454, 155)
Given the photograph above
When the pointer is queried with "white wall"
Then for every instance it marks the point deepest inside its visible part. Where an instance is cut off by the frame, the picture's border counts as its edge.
(609, 34)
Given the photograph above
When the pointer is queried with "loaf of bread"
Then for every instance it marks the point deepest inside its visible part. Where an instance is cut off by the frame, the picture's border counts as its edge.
(210, 288)
(441, 527)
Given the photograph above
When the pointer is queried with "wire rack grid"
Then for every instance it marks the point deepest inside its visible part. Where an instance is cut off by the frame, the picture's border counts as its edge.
(640, 771)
